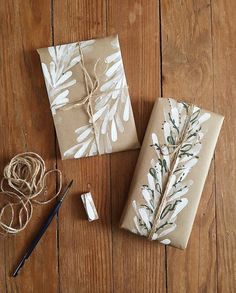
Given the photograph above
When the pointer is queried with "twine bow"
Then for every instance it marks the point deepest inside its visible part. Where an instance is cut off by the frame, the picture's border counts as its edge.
(92, 84)
(25, 178)
(91, 88)
(177, 147)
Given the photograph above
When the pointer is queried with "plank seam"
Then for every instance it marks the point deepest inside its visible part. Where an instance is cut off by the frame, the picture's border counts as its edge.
(56, 166)
(161, 92)
(110, 181)
(214, 162)
(52, 21)
(110, 187)
(5, 261)
(160, 53)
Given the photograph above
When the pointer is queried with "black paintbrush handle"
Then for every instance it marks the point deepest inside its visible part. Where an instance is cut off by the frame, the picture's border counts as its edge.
(43, 229)
(38, 236)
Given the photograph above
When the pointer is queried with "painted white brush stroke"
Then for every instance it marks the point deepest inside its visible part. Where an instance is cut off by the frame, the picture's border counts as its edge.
(58, 75)
(112, 109)
(174, 119)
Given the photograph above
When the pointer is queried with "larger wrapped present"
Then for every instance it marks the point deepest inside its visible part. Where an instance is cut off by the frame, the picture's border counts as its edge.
(171, 171)
(89, 97)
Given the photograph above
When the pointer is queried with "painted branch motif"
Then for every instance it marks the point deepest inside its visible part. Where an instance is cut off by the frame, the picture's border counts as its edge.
(158, 175)
(112, 109)
(58, 75)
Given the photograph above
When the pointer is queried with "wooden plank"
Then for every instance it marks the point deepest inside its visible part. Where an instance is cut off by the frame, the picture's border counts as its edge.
(187, 74)
(85, 248)
(138, 265)
(25, 26)
(224, 61)
(86, 253)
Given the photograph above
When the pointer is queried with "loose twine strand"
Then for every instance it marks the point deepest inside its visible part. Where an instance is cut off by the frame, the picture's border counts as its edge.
(174, 164)
(24, 180)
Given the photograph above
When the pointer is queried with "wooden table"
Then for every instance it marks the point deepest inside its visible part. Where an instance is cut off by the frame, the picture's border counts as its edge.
(185, 49)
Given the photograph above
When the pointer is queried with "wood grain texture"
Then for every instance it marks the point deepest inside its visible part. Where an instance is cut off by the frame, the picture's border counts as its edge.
(24, 26)
(85, 249)
(224, 60)
(187, 74)
(138, 266)
(177, 48)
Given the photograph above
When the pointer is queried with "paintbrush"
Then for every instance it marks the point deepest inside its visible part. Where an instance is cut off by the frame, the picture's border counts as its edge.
(44, 227)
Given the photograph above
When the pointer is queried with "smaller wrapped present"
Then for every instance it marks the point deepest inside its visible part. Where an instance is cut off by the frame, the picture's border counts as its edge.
(89, 97)
(171, 171)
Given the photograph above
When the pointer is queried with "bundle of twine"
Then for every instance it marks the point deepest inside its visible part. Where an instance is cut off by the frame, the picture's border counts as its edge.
(22, 186)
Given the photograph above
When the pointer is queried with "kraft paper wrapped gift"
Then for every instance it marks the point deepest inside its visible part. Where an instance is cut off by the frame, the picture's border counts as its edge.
(89, 97)
(171, 171)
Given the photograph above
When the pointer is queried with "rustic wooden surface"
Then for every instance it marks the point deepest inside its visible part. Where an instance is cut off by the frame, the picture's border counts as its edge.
(171, 48)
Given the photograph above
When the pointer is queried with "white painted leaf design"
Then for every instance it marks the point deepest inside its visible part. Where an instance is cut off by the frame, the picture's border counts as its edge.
(113, 57)
(61, 98)
(87, 44)
(165, 241)
(154, 139)
(108, 115)
(53, 71)
(46, 75)
(63, 86)
(81, 152)
(113, 110)
(144, 217)
(98, 114)
(113, 131)
(147, 197)
(81, 129)
(74, 61)
(63, 78)
(137, 226)
(57, 75)
(167, 231)
(171, 182)
(93, 150)
(177, 187)
(151, 182)
(119, 123)
(175, 116)
(204, 118)
(166, 131)
(71, 151)
(105, 124)
(126, 110)
(112, 70)
(84, 135)
(108, 145)
(179, 207)
(102, 101)
(51, 51)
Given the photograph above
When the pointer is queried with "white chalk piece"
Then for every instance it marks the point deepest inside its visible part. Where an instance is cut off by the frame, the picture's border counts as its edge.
(89, 206)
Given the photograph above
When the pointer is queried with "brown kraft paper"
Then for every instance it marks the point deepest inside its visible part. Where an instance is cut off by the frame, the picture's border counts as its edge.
(89, 97)
(171, 171)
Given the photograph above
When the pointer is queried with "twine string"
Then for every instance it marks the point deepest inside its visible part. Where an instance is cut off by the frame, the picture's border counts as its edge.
(92, 85)
(177, 147)
(24, 180)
